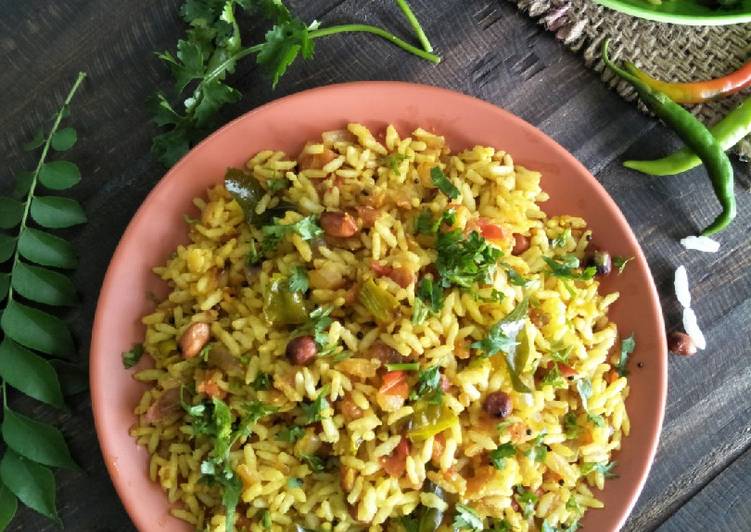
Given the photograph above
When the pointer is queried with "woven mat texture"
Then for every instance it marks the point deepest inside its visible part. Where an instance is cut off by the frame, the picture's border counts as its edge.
(667, 51)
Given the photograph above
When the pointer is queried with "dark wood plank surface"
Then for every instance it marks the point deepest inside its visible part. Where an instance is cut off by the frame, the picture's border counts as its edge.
(490, 51)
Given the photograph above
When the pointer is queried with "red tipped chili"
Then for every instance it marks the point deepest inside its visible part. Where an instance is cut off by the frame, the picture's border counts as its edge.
(697, 91)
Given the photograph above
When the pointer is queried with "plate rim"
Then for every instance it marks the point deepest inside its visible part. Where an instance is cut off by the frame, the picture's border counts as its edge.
(97, 356)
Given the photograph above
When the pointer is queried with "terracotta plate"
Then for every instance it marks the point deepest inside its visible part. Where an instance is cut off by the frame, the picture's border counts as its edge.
(285, 124)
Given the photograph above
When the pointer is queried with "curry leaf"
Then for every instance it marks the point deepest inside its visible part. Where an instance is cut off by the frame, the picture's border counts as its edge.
(37, 330)
(24, 179)
(56, 212)
(11, 212)
(36, 441)
(64, 139)
(8, 506)
(628, 345)
(59, 175)
(46, 249)
(29, 373)
(33, 484)
(43, 285)
(7, 247)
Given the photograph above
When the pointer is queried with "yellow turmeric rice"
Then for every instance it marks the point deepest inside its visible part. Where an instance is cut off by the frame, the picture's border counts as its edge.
(380, 334)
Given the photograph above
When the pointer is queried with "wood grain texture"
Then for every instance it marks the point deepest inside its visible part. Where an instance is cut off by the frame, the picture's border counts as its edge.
(490, 51)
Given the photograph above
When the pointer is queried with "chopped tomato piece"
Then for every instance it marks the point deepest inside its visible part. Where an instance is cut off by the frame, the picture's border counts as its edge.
(439, 443)
(490, 231)
(566, 370)
(393, 391)
(379, 269)
(396, 464)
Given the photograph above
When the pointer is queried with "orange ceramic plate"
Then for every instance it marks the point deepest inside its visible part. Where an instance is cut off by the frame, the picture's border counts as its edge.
(157, 228)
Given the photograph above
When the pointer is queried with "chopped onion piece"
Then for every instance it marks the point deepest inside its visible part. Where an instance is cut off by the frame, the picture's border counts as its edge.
(701, 243)
(681, 287)
(692, 328)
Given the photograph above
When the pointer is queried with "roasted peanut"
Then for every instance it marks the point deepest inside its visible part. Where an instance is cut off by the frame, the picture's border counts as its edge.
(194, 339)
(338, 224)
(301, 350)
(521, 244)
(498, 404)
(681, 344)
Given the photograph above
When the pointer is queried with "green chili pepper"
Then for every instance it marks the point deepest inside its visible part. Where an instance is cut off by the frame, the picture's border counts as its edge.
(728, 132)
(282, 306)
(695, 135)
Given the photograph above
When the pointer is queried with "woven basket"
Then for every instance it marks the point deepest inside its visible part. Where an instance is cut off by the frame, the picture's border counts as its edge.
(667, 51)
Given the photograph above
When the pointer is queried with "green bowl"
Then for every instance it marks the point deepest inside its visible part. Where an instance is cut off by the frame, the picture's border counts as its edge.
(687, 12)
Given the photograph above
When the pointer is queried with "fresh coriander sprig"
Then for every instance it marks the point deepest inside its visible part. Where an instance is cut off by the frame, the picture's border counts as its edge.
(32, 448)
(212, 49)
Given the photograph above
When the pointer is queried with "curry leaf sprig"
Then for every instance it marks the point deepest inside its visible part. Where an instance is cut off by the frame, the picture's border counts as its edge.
(34, 258)
(212, 49)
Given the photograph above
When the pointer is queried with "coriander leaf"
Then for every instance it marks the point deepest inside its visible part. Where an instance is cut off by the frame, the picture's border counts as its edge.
(298, 280)
(515, 278)
(568, 267)
(283, 43)
(527, 500)
(628, 345)
(314, 462)
(467, 518)
(621, 262)
(597, 420)
(230, 497)
(262, 382)
(428, 382)
(553, 378)
(601, 467)
(465, 261)
(131, 357)
(502, 337)
(307, 228)
(428, 300)
(393, 161)
(291, 434)
(570, 427)
(584, 387)
(547, 527)
(442, 182)
(275, 185)
(498, 456)
(294, 483)
(538, 450)
(311, 412)
(500, 525)
(561, 240)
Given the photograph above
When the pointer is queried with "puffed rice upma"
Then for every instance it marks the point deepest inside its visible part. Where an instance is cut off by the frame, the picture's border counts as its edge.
(382, 335)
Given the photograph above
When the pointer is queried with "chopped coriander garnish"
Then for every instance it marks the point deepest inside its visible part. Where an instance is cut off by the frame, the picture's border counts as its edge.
(314, 462)
(131, 357)
(620, 263)
(253, 256)
(568, 267)
(500, 525)
(527, 501)
(407, 366)
(291, 434)
(628, 345)
(600, 467)
(496, 296)
(307, 228)
(442, 182)
(561, 355)
(204, 354)
(428, 385)
(498, 456)
(428, 300)
(597, 420)
(467, 518)
(538, 451)
(311, 412)
(277, 184)
(515, 277)
(298, 280)
(502, 337)
(262, 382)
(553, 378)
(570, 427)
(584, 387)
(561, 240)
(294, 483)
(465, 261)
(266, 519)
(393, 161)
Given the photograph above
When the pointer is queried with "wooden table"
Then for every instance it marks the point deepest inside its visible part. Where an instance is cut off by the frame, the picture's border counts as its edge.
(702, 474)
